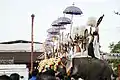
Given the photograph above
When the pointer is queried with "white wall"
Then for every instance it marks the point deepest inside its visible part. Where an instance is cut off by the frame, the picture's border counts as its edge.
(20, 69)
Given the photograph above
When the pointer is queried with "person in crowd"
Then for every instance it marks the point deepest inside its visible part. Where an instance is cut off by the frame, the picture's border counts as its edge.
(4, 77)
(34, 74)
(30, 75)
(48, 75)
(15, 76)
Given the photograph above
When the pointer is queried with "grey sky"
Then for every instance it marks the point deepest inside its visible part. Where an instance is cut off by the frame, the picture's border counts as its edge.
(15, 18)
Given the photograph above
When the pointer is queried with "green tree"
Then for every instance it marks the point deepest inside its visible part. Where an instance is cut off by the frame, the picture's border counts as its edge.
(115, 48)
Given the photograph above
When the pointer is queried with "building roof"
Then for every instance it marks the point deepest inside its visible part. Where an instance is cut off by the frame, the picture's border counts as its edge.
(18, 41)
(20, 46)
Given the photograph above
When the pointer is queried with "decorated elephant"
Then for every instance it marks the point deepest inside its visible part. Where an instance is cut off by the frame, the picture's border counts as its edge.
(89, 68)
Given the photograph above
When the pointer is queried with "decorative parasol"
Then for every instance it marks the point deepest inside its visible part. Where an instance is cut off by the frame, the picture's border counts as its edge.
(63, 21)
(61, 28)
(52, 36)
(57, 26)
(73, 11)
(55, 23)
(49, 40)
(60, 22)
(48, 46)
(53, 31)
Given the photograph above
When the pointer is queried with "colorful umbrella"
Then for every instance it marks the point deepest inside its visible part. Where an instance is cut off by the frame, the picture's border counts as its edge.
(73, 11)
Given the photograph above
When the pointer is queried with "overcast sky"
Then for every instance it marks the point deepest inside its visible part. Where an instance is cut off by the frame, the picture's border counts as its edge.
(15, 18)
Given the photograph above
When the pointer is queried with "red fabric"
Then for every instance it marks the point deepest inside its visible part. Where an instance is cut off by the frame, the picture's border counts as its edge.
(119, 70)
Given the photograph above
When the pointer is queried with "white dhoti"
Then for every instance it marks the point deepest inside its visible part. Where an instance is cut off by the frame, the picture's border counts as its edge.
(96, 48)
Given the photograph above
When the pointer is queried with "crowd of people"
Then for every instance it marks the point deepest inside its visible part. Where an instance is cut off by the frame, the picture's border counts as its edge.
(13, 76)
(47, 75)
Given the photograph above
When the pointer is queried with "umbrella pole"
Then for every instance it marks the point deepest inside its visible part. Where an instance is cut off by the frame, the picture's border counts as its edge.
(53, 50)
(62, 41)
(62, 36)
(45, 52)
(45, 55)
(71, 24)
(59, 38)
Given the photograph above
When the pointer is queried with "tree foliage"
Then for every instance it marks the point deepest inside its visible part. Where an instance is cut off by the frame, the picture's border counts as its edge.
(115, 48)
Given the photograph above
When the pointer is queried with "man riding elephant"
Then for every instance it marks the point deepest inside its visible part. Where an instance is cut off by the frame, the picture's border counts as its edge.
(89, 67)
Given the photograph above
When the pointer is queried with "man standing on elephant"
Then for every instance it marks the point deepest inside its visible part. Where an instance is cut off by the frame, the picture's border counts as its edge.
(96, 44)
(90, 45)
